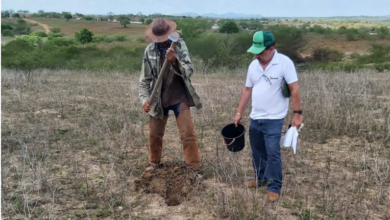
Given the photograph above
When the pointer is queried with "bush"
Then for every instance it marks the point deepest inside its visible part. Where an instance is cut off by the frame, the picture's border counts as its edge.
(327, 55)
(33, 41)
(22, 27)
(141, 39)
(147, 22)
(119, 37)
(342, 30)
(84, 36)
(21, 54)
(99, 38)
(51, 36)
(7, 32)
(382, 66)
(60, 54)
(383, 32)
(379, 54)
(289, 41)
(39, 34)
(55, 30)
(6, 27)
(335, 67)
(317, 29)
(255, 25)
(229, 27)
(220, 50)
(62, 41)
(191, 27)
(354, 56)
(14, 47)
(351, 36)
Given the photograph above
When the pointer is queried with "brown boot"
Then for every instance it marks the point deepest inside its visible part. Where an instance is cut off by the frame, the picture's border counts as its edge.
(272, 196)
(188, 137)
(251, 184)
(156, 134)
(254, 184)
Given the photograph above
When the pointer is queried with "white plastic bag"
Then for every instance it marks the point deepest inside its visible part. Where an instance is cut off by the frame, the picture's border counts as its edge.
(291, 138)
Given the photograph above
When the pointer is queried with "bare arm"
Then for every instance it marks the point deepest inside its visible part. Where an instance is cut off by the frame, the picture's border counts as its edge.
(296, 104)
(246, 94)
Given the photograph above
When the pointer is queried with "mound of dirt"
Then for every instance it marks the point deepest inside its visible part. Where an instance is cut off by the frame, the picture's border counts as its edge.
(172, 181)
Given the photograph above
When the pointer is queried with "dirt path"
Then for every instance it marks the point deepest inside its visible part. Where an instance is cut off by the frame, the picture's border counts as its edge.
(45, 26)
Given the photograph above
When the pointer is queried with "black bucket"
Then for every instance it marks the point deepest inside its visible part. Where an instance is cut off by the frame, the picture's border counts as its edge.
(234, 137)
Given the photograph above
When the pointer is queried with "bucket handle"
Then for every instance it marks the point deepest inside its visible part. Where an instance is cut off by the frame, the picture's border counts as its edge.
(224, 143)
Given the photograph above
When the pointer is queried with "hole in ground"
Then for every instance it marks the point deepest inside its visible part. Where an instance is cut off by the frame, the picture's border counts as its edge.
(172, 181)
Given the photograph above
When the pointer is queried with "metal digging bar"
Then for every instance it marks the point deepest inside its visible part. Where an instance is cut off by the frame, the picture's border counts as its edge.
(174, 37)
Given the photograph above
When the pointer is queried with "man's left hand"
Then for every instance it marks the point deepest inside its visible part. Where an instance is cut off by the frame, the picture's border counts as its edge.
(296, 120)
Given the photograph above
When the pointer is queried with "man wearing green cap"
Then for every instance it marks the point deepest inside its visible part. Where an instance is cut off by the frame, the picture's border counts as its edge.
(264, 81)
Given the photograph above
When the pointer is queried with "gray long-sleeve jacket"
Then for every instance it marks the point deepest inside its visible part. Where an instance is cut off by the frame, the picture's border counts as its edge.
(151, 67)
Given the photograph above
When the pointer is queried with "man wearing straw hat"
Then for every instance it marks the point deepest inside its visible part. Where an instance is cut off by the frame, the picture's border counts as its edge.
(264, 83)
(175, 92)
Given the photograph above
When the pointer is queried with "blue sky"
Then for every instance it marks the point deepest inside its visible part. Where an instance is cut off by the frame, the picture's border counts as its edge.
(269, 8)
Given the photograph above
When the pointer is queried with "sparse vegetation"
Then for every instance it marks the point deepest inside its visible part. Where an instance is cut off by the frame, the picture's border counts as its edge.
(73, 142)
(74, 136)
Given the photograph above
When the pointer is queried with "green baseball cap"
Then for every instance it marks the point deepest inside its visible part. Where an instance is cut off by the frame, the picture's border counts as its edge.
(261, 40)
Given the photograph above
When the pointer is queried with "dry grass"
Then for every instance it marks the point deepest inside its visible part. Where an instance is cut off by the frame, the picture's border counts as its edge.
(340, 43)
(97, 27)
(73, 143)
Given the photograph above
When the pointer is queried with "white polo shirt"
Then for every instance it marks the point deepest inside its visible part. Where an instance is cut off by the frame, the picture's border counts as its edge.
(267, 99)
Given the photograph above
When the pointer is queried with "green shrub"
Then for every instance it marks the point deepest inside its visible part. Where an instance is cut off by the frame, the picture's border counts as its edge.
(354, 55)
(6, 27)
(327, 55)
(317, 29)
(7, 32)
(99, 38)
(255, 25)
(51, 36)
(221, 50)
(39, 34)
(84, 36)
(141, 39)
(229, 27)
(382, 66)
(191, 27)
(351, 36)
(62, 41)
(335, 67)
(148, 21)
(342, 30)
(22, 27)
(379, 54)
(25, 60)
(289, 41)
(13, 48)
(55, 30)
(119, 37)
(383, 32)
(33, 41)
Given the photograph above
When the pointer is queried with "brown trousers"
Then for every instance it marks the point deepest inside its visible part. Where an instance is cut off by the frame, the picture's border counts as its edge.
(187, 136)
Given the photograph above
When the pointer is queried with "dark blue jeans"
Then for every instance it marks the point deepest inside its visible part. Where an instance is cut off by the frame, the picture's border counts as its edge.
(175, 108)
(264, 136)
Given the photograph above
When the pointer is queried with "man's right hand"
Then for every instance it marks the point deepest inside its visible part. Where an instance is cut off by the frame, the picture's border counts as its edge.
(237, 119)
(147, 106)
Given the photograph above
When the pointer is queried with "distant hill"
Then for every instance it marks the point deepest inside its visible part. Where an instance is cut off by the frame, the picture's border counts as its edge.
(227, 15)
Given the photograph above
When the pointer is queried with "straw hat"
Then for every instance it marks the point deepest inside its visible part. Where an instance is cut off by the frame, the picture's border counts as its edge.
(159, 29)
